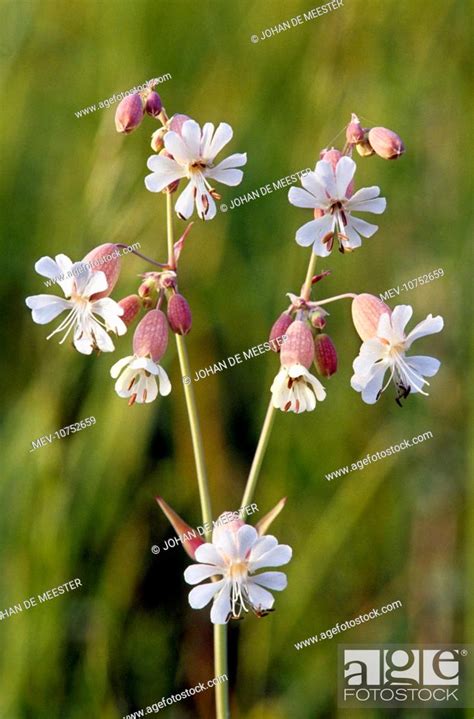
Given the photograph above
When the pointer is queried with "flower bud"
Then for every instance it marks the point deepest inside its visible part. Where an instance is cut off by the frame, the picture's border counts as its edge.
(131, 305)
(148, 289)
(298, 348)
(179, 314)
(366, 312)
(325, 355)
(177, 121)
(190, 537)
(354, 131)
(151, 336)
(157, 139)
(129, 113)
(386, 144)
(317, 317)
(279, 329)
(365, 149)
(153, 104)
(104, 258)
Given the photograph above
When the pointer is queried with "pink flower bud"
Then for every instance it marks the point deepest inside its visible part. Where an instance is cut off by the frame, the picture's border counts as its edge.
(387, 144)
(333, 156)
(179, 314)
(132, 305)
(354, 131)
(189, 536)
(298, 348)
(129, 113)
(104, 258)
(153, 104)
(151, 336)
(325, 355)
(177, 121)
(148, 288)
(366, 312)
(317, 317)
(157, 139)
(279, 329)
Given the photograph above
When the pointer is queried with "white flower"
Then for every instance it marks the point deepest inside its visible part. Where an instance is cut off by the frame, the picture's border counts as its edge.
(386, 352)
(137, 379)
(326, 191)
(294, 389)
(78, 283)
(235, 554)
(193, 154)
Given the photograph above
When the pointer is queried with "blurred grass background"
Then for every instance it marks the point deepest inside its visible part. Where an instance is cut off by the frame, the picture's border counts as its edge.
(83, 507)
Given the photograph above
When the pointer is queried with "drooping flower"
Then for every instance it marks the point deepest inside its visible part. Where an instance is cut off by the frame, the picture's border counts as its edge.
(294, 389)
(236, 553)
(79, 284)
(192, 153)
(137, 374)
(326, 190)
(386, 352)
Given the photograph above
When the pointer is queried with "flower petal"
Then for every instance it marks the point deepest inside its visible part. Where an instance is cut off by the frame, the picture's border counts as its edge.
(401, 316)
(302, 198)
(246, 538)
(221, 607)
(281, 554)
(260, 598)
(197, 572)
(325, 175)
(119, 366)
(222, 136)
(370, 386)
(208, 554)
(366, 229)
(191, 134)
(46, 307)
(429, 326)
(165, 384)
(165, 171)
(345, 170)
(423, 365)
(202, 595)
(313, 232)
(230, 177)
(271, 580)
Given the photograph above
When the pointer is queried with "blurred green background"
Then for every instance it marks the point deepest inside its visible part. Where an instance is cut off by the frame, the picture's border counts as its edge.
(402, 529)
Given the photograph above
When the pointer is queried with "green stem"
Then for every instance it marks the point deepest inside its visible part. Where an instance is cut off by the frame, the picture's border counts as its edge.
(259, 455)
(220, 631)
(271, 411)
(220, 668)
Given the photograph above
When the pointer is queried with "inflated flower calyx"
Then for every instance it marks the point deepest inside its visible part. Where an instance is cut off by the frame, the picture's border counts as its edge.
(298, 347)
(131, 305)
(105, 258)
(151, 336)
(179, 314)
(386, 143)
(279, 329)
(366, 312)
(153, 104)
(129, 113)
(325, 355)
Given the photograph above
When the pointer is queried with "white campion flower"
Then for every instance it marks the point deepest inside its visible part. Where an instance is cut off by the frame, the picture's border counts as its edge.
(137, 374)
(237, 551)
(89, 319)
(193, 152)
(137, 379)
(326, 190)
(294, 389)
(386, 352)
